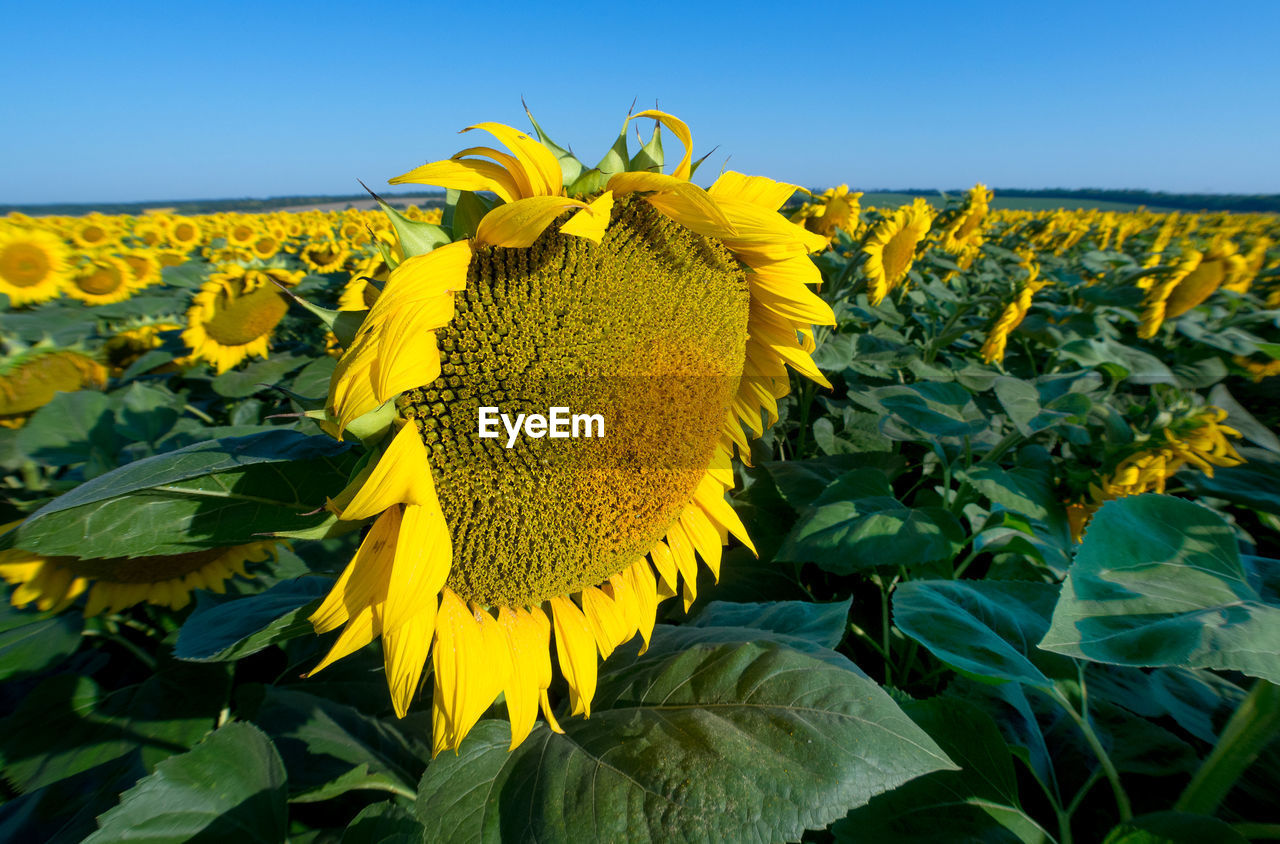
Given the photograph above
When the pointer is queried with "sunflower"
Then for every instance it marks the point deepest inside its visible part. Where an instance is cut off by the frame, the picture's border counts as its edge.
(324, 256)
(33, 265)
(129, 343)
(145, 267)
(185, 233)
(1014, 312)
(242, 231)
(31, 378)
(93, 232)
(670, 311)
(891, 247)
(836, 208)
(264, 246)
(361, 291)
(1193, 280)
(53, 583)
(101, 280)
(963, 234)
(233, 314)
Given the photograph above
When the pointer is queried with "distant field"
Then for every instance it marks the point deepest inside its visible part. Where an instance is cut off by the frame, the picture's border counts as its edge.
(1047, 203)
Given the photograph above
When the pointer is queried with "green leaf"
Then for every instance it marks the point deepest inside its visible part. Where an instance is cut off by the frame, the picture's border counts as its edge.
(313, 380)
(147, 413)
(863, 533)
(384, 823)
(983, 629)
(1159, 581)
(823, 624)
(1174, 828)
(74, 428)
(1138, 366)
(979, 802)
(799, 482)
(234, 627)
(1243, 421)
(1255, 484)
(66, 811)
(229, 788)
(31, 642)
(68, 724)
(766, 743)
(330, 748)
(256, 377)
(1021, 489)
(225, 492)
(928, 409)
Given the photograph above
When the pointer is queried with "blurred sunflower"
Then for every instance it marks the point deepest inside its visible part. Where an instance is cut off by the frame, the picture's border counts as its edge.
(836, 208)
(1014, 312)
(891, 247)
(33, 265)
(324, 256)
(53, 583)
(130, 342)
(264, 246)
(92, 232)
(1194, 279)
(100, 280)
(30, 378)
(233, 314)
(185, 233)
(144, 265)
(672, 311)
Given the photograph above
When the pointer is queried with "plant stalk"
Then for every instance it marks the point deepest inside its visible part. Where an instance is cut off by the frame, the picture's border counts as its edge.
(1255, 723)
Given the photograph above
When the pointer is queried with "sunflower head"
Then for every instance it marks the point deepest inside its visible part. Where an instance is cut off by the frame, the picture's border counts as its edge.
(891, 247)
(664, 315)
(836, 208)
(102, 279)
(133, 339)
(234, 313)
(31, 378)
(33, 264)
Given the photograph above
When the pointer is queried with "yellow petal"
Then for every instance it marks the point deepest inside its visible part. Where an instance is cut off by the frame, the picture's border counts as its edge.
(682, 550)
(756, 190)
(401, 476)
(703, 535)
(363, 582)
(423, 554)
(605, 620)
(710, 497)
(468, 174)
(529, 643)
(645, 589)
(518, 224)
(576, 650)
(684, 170)
(539, 163)
(459, 669)
(766, 235)
(591, 221)
(684, 202)
(665, 565)
(358, 633)
(404, 653)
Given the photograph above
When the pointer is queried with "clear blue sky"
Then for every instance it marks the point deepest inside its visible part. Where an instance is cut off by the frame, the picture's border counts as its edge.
(151, 101)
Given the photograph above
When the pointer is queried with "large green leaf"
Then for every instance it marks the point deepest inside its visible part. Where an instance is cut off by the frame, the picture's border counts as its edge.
(984, 629)
(1255, 484)
(225, 492)
(256, 376)
(1021, 489)
(748, 741)
(863, 533)
(74, 428)
(64, 812)
(1159, 581)
(925, 410)
(330, 748)
(979, 802)
(384, 823)
(233, 627)
(229, 788)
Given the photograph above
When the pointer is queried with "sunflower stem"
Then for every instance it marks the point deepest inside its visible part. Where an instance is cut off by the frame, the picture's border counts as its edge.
(1252, 726)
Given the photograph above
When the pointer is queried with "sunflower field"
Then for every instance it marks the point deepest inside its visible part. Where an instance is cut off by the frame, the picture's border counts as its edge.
(930, 523)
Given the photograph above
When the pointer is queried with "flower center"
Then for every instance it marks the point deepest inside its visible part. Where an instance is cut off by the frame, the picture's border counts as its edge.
(24, 265)
(898, 254)
(1196, 287)
(100, 280)
(239, 318)
(646, 329)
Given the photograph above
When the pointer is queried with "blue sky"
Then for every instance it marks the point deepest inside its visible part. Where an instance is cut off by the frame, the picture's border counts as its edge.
(153, 101)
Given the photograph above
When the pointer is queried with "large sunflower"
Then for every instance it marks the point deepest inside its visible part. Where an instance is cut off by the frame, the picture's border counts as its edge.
(891, 247)
(671, 311)
(233, 314)
(31, 378)
(33, 265)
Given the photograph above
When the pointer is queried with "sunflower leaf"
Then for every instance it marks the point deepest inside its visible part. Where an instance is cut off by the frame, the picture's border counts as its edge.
(230, 787)
(223, 629)
(209, 495)
(766, 743)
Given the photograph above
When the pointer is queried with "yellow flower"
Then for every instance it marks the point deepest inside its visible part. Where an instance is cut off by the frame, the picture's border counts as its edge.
(671, 311)
(126, 345)
(891, 247)
(324, 256)
(232, 316)
(31, 379)
(1258, 370)
(93, 232)
(185, 232)
(53, 583)
(1014, 312)
(963, 235)
(33, 265)
(835, 209)
(145, 267)
(102, 280)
